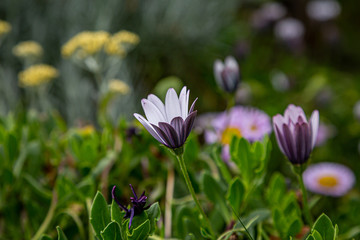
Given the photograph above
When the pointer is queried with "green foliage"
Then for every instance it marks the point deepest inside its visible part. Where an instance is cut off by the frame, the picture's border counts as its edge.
(100, 216)
(108, 221)
(323, 229)
(286, 212)
(251, 159)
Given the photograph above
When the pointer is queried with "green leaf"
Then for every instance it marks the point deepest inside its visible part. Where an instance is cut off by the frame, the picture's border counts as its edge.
(235, 194)
(12, 147)
(154, 214)
(294, 228)
(99, 214)
(111, 232)
(221, 164)
(46, 237)
(216, 194)
(61, 234)
(325, 227)
(116, 214)
(317, 235)
(141, 232)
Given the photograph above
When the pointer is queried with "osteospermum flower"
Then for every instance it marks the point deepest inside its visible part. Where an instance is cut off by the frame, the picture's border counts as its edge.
(331, 179)
(138, 204)
(28, 49)
(169, 123)
(227, 75)
(37, 75)
(296, 136)
(249, 123)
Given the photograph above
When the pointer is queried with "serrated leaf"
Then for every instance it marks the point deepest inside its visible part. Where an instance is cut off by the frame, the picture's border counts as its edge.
(154, 214)
(325, 227)
(116, 214)
(61, 234)
(99, 214)
(111, 232)
(141, 232)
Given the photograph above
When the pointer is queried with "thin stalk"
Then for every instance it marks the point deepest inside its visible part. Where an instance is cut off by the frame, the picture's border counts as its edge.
(88, 207)
(45, 224)
(306, 210)
(242, 224)
(168, 201)
(184, 171)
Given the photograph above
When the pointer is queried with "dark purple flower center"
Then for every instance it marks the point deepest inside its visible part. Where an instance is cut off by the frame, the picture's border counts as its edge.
(138, 204)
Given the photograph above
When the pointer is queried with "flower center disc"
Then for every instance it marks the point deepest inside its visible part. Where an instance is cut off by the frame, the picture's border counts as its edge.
(228, 134)
(253, 127)
(328, 181)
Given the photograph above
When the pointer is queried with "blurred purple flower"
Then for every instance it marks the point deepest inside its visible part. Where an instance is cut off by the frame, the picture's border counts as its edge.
(331, 179)
(227, 75)
(138, 204)
(268, 13)
(249, 123)
(323, 10)
(324, 133)
(171, 123)
(296, 136)
(289, 29)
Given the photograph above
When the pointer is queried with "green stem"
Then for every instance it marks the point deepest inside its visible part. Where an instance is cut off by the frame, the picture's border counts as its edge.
(306, 209)
(45, 224)
(184, 171)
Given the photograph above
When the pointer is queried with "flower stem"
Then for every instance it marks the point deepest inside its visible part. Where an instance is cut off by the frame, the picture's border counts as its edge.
(45, 224)
(306, 210)
(184, 171)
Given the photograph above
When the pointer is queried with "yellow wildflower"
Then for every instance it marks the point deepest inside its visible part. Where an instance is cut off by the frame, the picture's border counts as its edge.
(118, 86)
(119, 42)
(5, 27)
(28, 49)
(85, 43)
(86, 130)
(37, 75)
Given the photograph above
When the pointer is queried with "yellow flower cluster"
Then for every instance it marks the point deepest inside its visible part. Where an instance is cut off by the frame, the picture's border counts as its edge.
(119, 41)
(118, 86)
(37, 75)
(86, 130)
(28, 49)
(85, 44)
(5, 27)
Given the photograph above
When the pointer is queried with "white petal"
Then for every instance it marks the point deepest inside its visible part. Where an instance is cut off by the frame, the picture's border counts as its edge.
(158, 103)
(148, 127)
(218, 68)
(230, 62)
(314, 120)
(172, 105)
(293, 112)
(183, 106)
(152, 113)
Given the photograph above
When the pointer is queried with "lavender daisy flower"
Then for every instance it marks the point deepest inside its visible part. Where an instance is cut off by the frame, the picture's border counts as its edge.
(227, 75)
(323, 10)
(330, 179)
(296, 136)
(169, 123)
(249, 123)
(138, 204)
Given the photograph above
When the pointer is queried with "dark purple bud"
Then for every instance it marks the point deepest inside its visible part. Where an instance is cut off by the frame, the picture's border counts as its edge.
(296, 136)
(227, 75)
(138, 204)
